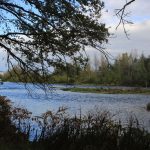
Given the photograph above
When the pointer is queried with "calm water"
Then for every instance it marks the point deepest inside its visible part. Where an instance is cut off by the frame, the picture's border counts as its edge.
(122, 105)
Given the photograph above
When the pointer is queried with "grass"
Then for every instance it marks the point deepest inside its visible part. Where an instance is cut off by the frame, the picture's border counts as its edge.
(94, 131)
(108, 91)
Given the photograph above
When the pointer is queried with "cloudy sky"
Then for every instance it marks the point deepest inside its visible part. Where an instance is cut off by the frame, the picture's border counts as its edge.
(139, 31)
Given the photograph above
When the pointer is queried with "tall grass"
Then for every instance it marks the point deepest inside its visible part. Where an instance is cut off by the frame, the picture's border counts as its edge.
(58, 131)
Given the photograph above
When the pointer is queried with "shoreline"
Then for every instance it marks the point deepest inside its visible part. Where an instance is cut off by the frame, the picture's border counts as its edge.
(108, 91)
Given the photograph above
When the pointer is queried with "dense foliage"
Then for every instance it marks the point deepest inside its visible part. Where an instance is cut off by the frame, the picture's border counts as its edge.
(10, 136)
(127, 70)
(39, 34)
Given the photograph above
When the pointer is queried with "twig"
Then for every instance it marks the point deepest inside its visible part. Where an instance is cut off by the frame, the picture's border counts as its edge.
(120, 13)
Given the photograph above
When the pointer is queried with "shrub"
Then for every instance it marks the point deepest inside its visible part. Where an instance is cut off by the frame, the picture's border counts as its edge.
(10, 135)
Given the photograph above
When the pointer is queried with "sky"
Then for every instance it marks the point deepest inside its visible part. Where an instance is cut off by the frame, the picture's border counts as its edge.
(139, 31)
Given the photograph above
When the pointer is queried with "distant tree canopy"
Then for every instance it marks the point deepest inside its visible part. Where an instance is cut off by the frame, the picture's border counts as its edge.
(127, 70)
(39, 34)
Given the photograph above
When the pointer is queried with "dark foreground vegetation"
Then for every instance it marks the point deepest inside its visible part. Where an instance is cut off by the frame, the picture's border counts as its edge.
(109, 90)
(95, 131)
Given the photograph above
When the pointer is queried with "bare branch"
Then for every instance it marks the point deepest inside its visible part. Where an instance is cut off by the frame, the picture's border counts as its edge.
(121, 14)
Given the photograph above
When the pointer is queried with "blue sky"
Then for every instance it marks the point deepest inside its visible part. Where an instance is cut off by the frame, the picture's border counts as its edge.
(139, 31)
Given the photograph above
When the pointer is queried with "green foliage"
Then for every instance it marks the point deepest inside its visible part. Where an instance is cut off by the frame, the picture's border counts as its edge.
(17, 74)
(42, 34)
(126, 70)
(109, 90)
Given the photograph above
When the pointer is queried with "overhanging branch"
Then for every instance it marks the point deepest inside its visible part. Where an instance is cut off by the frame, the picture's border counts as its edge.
(121, 14)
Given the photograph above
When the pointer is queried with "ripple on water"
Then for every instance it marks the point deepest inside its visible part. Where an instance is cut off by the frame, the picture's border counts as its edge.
(123, 105)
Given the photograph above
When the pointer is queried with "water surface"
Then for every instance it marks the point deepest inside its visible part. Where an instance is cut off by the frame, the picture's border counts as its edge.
(122, 105)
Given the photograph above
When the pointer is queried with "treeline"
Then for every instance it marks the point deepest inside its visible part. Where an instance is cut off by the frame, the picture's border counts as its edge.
(17, 74)
(126, 70)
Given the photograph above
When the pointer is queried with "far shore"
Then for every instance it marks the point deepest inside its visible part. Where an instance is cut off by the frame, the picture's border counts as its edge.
(108, 90)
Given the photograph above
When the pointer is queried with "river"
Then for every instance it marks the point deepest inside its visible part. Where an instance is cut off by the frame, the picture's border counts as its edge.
(35, 100)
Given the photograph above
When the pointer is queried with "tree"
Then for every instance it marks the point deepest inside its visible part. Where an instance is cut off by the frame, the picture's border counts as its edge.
(142, 71)
(39, 34)
(147, 67)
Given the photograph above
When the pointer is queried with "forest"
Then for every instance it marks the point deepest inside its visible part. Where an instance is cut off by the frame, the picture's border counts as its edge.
(126, 69)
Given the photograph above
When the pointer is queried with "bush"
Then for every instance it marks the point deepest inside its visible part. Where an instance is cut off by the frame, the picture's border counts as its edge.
(10, 135)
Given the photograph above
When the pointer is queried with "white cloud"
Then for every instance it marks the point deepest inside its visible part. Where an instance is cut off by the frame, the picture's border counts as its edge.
(139, 10)
(139, 39)
(139, 31)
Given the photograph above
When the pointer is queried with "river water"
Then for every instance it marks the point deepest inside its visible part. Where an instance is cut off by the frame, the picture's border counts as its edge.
(35, 100)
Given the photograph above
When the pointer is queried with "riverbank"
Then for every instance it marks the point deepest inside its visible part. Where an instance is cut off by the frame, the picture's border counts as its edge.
(109, 90)
(58, 131)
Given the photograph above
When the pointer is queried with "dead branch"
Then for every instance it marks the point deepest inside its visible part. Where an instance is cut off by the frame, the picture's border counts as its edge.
(121, 14)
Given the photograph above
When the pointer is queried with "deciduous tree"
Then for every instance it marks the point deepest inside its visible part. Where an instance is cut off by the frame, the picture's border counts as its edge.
(39, 34)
